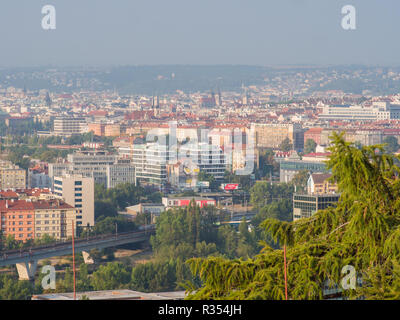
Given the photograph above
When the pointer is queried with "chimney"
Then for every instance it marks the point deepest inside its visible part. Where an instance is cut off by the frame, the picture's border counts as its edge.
(7, 204)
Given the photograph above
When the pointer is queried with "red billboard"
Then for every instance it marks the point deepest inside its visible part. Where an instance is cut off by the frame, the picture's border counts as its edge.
(231, 186)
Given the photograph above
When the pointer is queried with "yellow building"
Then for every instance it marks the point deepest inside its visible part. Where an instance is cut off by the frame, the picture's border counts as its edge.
(54, 218)
(271, 135)
(11, 176)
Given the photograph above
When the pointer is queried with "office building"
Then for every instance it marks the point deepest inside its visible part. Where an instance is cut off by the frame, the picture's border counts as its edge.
(104, 168)
(77, 191)
(67, 126)
(305, 205)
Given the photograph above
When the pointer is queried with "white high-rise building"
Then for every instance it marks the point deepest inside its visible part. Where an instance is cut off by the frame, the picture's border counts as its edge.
(77, 191)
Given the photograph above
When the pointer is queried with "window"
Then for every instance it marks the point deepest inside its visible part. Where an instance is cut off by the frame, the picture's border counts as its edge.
(78, 189)
(78, 206)
(78, 183)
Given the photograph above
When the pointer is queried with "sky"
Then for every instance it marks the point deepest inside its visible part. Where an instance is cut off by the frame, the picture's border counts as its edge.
(201, 32)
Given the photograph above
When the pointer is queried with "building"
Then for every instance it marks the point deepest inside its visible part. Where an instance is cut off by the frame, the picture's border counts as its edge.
(38, 177)
(304, 206)
(54, 218)
(292, 165)
(77, 191)
(112, 130)
(104, 168)
(271, 135)
(171, 202)
(154, 209)
(150, 162)
(207, 157)
(313, 134)
(11, 176)
(98, 129)
(67, 126)
(378, 111)
(319, 183)
(32, 219)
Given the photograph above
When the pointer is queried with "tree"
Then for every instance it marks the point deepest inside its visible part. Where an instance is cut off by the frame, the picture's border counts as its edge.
(111, 276)
(363, 230)
(263, 193)
(300, 180)
(267, 163)
(310, 146)
(286, 145)
(392, 144)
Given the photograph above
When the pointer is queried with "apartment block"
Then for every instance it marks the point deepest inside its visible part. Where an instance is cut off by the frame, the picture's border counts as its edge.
(11, 176)
(32, 219)
(77, 191)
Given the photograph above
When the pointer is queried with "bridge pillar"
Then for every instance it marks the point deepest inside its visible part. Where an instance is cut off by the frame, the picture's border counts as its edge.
(27, 270)
(86, 257)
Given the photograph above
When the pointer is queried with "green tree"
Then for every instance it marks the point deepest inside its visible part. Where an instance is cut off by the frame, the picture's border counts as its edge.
(300, 181)
(112, 276)
(310, 146)
(286, 145)
(392, 144)
(263, 193)
(363, 230)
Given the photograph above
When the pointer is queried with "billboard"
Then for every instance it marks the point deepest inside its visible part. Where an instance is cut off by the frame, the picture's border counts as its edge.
(230, 186)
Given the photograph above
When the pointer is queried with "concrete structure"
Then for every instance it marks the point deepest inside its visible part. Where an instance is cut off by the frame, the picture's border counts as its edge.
(67, 126)
(26, 259)
(77, 191)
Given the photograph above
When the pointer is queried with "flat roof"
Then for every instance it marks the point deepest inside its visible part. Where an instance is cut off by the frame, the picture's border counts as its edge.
(113, 295)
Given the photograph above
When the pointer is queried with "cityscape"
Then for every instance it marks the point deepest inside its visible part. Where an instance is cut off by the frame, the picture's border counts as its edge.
(200, 181)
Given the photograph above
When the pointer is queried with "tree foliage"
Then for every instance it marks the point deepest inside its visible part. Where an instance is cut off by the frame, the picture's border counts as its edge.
(362, 231)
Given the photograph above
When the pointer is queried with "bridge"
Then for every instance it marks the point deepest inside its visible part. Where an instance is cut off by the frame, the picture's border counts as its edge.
(26, 259)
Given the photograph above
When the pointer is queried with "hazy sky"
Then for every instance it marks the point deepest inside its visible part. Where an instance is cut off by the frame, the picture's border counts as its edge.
(252, 32)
